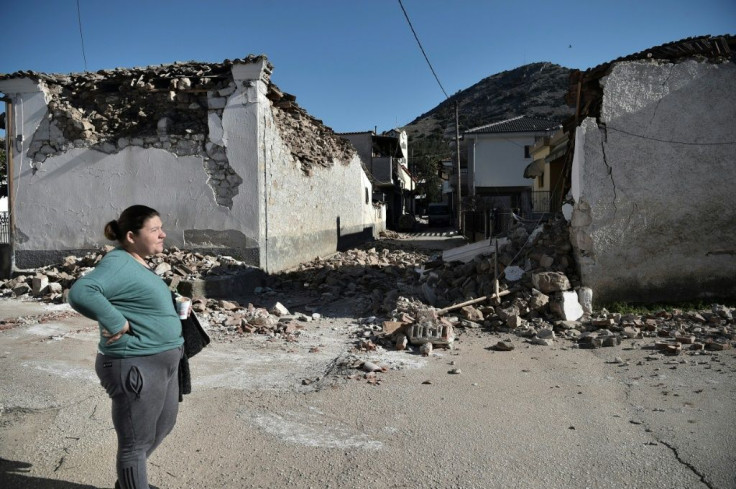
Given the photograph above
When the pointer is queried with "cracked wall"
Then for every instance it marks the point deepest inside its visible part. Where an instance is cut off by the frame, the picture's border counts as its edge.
(652, 182)
(175, 108)
(233, 165)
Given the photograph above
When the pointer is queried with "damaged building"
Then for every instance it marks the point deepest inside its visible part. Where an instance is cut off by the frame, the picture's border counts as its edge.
(233, 164)
(652, 173)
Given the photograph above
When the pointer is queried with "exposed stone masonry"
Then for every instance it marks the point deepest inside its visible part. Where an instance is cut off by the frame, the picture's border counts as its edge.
(169, 107)
(311, 142)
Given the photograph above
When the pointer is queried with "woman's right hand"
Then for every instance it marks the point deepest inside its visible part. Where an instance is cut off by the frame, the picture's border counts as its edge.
(112, 338)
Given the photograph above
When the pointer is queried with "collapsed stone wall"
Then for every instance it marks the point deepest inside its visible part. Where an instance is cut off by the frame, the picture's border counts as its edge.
(311, 142)
(177, 108)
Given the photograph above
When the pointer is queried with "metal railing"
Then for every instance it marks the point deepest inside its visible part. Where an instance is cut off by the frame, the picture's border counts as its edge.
(4, 227)
(541, 201)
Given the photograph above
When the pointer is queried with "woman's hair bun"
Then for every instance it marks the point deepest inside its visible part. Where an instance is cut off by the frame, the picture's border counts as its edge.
(112, 230)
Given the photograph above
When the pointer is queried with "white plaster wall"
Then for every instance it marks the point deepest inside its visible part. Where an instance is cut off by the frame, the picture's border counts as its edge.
(654, 217)
(66, 203)
(279, 215)
(303, 210)
(499, 161)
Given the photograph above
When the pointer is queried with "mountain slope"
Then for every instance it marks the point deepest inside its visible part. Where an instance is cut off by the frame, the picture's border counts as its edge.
(536, 89)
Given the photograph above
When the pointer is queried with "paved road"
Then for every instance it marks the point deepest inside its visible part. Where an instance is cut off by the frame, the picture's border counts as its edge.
(552, 417)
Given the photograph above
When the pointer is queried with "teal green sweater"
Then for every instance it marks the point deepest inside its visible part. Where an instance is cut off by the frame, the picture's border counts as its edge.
(119, 289)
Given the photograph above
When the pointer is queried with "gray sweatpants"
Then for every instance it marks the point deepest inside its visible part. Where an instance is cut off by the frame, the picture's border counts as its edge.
(145, 402)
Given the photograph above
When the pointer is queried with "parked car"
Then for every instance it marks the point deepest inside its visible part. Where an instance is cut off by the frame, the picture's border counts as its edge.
(439, 215)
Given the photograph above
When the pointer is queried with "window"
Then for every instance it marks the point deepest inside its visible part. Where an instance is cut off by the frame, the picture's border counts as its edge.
(527, 151)
(366, 195)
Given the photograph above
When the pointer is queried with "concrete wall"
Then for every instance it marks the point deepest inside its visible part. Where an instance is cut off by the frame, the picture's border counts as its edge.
(654, 213)
(498, 160)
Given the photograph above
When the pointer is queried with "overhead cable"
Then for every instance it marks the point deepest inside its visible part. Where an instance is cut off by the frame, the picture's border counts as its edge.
(79, 21)
(422, 49)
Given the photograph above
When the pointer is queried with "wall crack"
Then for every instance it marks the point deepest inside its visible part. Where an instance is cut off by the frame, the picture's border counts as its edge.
(609, 168)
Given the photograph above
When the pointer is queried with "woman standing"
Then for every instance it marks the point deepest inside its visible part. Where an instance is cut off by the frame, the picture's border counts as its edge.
(140, 340)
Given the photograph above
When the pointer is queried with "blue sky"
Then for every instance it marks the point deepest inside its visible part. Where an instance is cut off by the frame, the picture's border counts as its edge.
(354, 64)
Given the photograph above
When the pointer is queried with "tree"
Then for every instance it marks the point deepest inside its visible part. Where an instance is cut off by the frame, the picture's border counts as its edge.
(425, 157)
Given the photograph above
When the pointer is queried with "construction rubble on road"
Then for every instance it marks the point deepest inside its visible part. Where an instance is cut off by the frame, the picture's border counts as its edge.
(412, 300)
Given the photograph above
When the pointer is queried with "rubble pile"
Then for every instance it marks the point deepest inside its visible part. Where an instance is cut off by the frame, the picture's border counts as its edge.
(421, 300)
(228, 319)
(52, 282)
(376, 272)
(169, 107)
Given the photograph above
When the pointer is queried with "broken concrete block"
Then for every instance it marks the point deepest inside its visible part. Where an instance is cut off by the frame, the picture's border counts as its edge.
(401, 342)
(503, 346)
(603, 322)
(507, 312)
(39, 284)
(279, 310)
(585, 298)
(425, 349)
(538, 300)
(685, 339)
(21, 289)
(54, 288)
(162, 268)
(514, 322)
(566, 306)
(631, 332)
(471, 313)
(548, 282)
(543, 341)
(439, 334)
(717, 346)
(391, 327)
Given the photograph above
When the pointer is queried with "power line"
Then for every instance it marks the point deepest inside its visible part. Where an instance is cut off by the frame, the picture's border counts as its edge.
(79, 21)
(421, 48)
(671, 141)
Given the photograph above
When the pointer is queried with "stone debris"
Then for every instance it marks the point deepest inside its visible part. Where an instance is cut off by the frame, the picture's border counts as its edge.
(391, 282)
(175, 108)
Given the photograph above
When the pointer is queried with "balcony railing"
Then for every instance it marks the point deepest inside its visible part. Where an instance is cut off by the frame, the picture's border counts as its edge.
(541, 201)
(4, 227)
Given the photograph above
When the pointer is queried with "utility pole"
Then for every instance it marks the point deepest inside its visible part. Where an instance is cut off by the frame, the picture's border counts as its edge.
(458, 192)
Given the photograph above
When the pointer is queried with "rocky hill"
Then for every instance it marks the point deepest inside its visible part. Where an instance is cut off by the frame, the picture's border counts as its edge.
(536, 89)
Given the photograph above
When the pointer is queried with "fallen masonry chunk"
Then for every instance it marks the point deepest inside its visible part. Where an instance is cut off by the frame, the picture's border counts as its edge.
(566, 305)
(671, 348)
(471, 313)
(391, 327)
(39, 285)
(548, 282)
(503, 346)
(685, 339)
(425, 349)
(438, 334)
(401, 342)
(279, 310)
(717, 346)
(372, 367)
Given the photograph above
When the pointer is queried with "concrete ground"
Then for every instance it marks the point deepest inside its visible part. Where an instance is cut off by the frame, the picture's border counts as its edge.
(267, 413)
